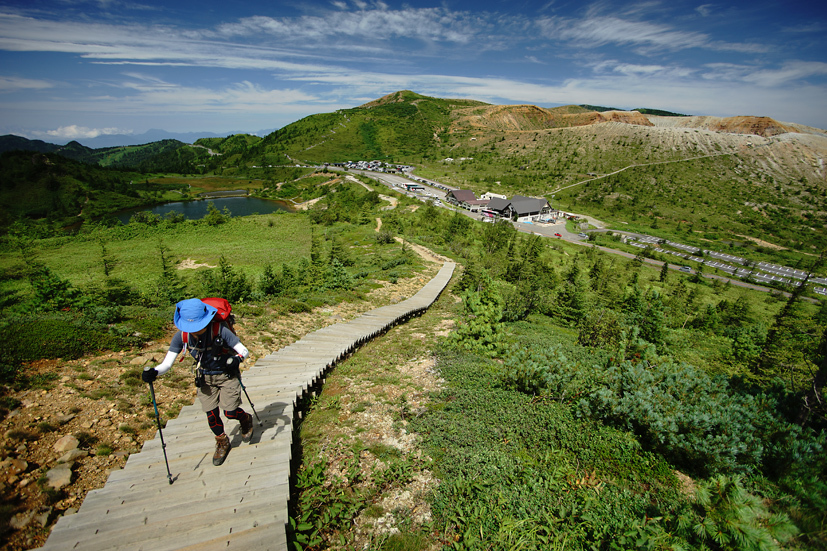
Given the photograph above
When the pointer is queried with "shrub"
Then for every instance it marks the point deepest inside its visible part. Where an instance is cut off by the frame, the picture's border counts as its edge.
(695, 420)
(396, 261)
(480, 330)
(7, 404)
(384, 237)
(225, 282)
(58, 335)
(132, 377)
(85, 439)
(518, 472)
(726, 516)
(546, 370)
(104, 449)
(298, 307)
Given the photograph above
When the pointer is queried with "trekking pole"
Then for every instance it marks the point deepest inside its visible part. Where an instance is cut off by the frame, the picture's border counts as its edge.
(160, 432)
(244, 388)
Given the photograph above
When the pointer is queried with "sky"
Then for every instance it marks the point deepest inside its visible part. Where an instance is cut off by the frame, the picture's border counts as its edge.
(75, 69)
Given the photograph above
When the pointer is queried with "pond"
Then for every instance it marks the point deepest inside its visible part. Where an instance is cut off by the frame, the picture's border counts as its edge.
(194, 210)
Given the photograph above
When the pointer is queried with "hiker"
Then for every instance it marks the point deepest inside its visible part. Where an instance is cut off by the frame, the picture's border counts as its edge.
(218, 353)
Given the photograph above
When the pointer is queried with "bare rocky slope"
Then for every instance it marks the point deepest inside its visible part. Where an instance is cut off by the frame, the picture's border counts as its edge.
(531, 117)
(768, 149)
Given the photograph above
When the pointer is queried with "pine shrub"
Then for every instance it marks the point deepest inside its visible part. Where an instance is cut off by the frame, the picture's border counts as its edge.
(694, 419)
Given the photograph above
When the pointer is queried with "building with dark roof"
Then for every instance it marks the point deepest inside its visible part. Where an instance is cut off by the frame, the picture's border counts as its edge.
(458, 196)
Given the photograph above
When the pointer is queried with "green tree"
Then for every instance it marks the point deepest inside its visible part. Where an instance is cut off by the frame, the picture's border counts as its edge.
(51, 292)
(226, 282)
(169, 288)
(107, 259)
(574, 299)
(271, 283)
(338, 277)
(728, 518)
(480, 330)
(338, 252)
(214, 217)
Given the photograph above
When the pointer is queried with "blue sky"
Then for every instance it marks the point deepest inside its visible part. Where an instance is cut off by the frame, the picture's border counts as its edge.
(72, 69)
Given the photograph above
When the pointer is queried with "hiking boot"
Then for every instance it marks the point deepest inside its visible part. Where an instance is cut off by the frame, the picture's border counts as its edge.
(247, 427)
(222, 448)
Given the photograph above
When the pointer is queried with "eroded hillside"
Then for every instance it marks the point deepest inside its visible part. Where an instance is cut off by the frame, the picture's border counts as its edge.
(531, 117)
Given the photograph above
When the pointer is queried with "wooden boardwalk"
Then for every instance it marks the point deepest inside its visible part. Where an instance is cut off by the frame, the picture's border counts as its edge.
(242, 504)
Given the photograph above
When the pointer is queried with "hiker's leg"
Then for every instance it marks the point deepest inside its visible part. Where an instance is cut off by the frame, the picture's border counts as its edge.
(216, 424)
(237, 414)
(229, 397)
(208, 396)
(246, 421)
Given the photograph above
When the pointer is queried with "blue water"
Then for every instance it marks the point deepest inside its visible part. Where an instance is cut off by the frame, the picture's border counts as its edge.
(195, 210)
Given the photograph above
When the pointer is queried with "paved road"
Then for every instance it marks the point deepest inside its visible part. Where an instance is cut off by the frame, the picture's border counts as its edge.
(397, 182)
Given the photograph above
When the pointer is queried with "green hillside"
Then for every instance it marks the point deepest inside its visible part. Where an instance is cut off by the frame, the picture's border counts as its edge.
(707, 186)
(10, 142)
(395, 128)
(60, 192)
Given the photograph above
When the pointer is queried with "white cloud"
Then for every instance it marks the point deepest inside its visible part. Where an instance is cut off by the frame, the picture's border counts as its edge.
(380, 23)
(790, 72)
(597, 31)
(632, 69)
(600, 31)
(704, 10)
(13, 84)
(75, 132)
(277, 66)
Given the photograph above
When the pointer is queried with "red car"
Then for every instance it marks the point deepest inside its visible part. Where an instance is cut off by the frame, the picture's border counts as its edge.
(557, 235)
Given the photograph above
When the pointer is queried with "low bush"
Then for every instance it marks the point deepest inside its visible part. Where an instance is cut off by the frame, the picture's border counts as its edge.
(695, 420)
(517, 471)
(56, 335)
(547, 371)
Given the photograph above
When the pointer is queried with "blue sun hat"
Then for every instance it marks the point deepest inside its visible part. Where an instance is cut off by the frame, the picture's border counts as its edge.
(192, 315)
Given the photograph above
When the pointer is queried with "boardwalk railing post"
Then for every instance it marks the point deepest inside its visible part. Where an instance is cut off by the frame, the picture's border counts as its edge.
(160, 432)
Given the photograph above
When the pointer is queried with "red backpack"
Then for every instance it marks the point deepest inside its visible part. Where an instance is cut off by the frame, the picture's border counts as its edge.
(223, 315)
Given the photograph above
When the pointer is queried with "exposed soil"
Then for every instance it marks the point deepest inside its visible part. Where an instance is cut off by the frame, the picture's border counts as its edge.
(101, 400)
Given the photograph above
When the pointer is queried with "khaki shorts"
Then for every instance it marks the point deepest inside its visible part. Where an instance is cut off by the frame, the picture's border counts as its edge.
(220, 391)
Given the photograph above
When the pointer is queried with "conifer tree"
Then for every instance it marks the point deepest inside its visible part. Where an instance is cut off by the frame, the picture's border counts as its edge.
(169, 288)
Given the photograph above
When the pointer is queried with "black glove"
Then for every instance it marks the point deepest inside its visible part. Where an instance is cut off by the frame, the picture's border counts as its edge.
(149, 375)
(232, 370)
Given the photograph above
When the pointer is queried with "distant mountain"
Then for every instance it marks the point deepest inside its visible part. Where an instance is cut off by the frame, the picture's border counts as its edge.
(154, 135)
(10, 142)
(161, 155)
(641, 110)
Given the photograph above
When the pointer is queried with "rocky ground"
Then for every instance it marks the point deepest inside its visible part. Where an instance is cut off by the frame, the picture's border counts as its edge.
(65, 438)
